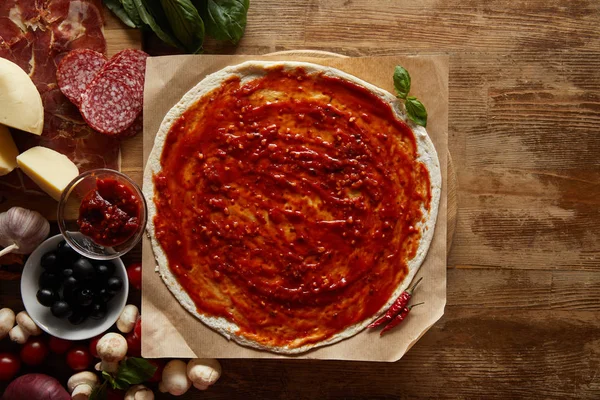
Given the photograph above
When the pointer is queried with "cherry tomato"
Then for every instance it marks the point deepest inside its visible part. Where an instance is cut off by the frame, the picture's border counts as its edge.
(79, 358)
(137, 329)
(134, 344)
(34, 351)
(134, 274)
(160, 365)
(59, 346)
(93, 344)
(9, 366)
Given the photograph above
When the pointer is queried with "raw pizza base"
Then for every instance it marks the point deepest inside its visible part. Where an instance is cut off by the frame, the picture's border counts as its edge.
(248, 71)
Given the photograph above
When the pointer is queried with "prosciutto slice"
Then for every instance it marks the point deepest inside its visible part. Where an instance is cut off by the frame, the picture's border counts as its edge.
(36, 35)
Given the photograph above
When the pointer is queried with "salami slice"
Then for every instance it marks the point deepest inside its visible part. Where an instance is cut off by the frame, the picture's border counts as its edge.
(134, 129)
(110, 105)
(76, 71)
(114, 99)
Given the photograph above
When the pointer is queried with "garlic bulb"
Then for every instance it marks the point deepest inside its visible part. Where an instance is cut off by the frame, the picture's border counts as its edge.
(22, 230)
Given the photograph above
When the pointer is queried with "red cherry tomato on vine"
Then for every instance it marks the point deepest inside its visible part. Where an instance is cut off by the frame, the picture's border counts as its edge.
(79, 358)
(134, 344)
(59, 346)
(134, 340)
(137, 329)
(9, 366)
(34, 351)
(93, 344)
(160, 365)
(134, 274)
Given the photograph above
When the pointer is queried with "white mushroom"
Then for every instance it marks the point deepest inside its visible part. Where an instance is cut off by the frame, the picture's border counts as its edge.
(126, 321)
(203, 372)
(111, 349)
(25, 328)
(139, 392)
(174, 378)
(7, 321)
(82, 384)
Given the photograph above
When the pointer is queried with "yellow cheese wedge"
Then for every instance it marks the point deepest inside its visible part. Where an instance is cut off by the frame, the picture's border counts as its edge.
(49, 169)
(8, 152)
(20, 102)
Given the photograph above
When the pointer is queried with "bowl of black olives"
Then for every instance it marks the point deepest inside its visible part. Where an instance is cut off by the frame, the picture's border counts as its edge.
(71, 296)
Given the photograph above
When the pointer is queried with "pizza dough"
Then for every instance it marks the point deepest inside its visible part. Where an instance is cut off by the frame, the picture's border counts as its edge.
(247, 73)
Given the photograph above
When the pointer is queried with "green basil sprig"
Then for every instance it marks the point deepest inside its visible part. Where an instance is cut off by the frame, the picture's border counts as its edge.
(225, 19)
(185, 23)
(414, 108)
(182, 23)
(132, 371)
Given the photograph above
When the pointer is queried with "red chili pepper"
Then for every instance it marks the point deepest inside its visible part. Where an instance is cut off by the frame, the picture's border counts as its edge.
(396, 307)
(399, 318)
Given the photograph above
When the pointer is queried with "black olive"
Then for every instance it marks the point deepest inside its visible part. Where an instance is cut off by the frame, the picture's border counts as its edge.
(83, 270)
(114, 284)
(67, 272)
(65, 253)
(69, 284)
(98, 311)
(48, 261)
(49, 280)
(104, 295)
(103, 271)
(60, 309)
(46, 297)
(85, 297)
(78, 316)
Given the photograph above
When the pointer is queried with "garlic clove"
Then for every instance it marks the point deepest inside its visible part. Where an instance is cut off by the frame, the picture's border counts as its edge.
(22, 230)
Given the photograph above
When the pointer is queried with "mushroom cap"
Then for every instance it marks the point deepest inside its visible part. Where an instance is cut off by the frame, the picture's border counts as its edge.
(84, 377)
(204, 371)
(139, 392)
(126, 321)
(7, 321)
(174, 378)
(27, 324)
(112, 347)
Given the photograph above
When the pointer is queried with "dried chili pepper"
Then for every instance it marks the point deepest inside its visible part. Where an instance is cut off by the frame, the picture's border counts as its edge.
(399, 318)
(396, 307)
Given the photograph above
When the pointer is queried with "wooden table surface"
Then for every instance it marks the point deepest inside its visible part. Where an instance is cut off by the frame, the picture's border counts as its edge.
(523, 311)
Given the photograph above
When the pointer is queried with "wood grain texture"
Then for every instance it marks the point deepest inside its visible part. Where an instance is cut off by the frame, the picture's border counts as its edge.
(523, 312)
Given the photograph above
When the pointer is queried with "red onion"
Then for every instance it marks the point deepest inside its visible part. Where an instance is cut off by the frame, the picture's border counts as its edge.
(35, 386)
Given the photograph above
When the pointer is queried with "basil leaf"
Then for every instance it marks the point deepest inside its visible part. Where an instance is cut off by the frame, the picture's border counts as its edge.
(132, 12)
(401, 82)
(226, 19)
(186, 23)
(133, 371)
(150, 13)
(117, 8)
(416, 111)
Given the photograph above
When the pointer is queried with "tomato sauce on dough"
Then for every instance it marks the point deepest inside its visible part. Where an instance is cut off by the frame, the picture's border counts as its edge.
(289, 205)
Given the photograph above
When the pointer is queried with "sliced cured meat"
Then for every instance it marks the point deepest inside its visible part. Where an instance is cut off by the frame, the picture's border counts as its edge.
(110, 105)
(76, 70)
(81, 27)
(36, 35)
(114, 99)
(135, 128)
(130, 61)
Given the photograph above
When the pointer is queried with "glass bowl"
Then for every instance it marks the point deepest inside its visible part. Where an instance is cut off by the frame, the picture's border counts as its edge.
(71, 199)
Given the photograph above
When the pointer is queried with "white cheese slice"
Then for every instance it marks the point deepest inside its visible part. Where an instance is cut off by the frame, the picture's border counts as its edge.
(8, 152)
(20, 102)
(49, 169)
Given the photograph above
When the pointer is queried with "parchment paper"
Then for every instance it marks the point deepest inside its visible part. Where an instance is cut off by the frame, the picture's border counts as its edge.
(170, 331)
